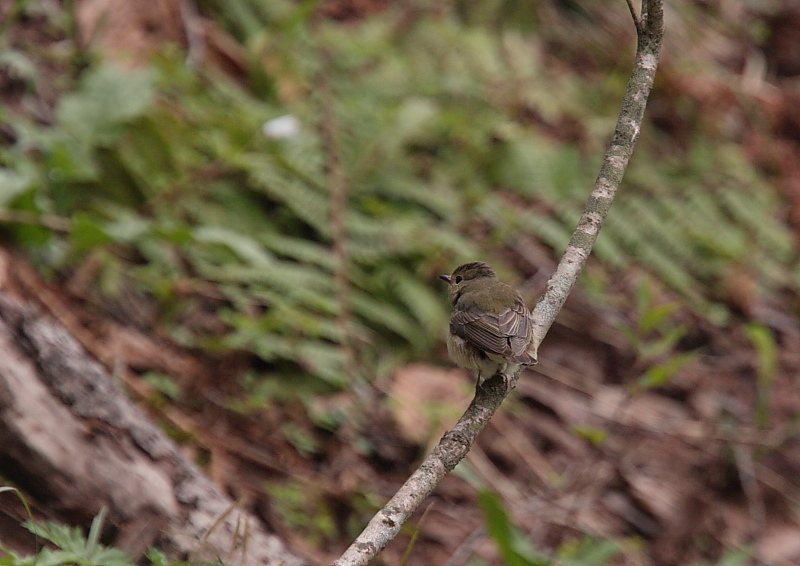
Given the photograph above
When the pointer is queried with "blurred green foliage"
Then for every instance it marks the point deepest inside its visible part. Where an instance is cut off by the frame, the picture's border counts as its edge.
(164, 178)
(303, 509)
(458, 135)
(731, 558)
(512, 546)
(766, 349)
(72, 547)
(516, 550)
(654, 337)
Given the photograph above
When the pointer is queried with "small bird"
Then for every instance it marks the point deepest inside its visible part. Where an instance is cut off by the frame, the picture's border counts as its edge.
(490, 329)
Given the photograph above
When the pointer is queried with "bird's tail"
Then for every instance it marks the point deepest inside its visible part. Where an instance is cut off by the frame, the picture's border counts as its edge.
(524, 358)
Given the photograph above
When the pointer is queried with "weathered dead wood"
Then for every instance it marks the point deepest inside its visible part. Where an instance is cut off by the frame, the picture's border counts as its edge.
(71, 438)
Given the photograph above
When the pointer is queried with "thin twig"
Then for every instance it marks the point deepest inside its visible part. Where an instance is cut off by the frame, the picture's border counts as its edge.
(636, 21)
(456, 443)
(195, 40)
(466, 548)
(414, 536)
(612, 169)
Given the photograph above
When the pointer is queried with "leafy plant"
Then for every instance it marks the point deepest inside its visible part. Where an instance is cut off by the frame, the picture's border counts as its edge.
(654, 336)
(72, 547)
(452, 145)
(587, 551)
(164, 179)
(164, 182)
(517, 551)
(767, 352)
(304, 510)
(513, 547)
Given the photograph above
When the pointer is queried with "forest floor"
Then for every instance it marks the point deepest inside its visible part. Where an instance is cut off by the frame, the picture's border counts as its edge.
(598, 454)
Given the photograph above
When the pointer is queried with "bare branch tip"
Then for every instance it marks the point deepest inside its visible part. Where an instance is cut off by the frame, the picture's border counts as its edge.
(637, 22)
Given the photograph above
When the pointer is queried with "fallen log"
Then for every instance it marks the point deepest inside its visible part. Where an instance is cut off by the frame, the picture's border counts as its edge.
(72, 439)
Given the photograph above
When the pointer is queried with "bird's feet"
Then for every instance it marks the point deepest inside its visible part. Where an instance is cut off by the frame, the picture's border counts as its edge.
(508, 381)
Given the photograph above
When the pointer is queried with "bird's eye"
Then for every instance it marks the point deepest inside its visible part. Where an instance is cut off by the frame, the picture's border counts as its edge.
(458, 279)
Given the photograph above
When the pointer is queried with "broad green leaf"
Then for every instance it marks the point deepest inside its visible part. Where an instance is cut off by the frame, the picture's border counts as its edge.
(107, 97)
(87, 233)
(660, 374)
(512, 548)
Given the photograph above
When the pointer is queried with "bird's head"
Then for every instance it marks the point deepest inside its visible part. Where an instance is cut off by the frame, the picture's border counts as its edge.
(464, 275)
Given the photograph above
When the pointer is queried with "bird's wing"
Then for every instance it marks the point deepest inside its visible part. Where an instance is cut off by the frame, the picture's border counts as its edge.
(515, 323)
(507, 333)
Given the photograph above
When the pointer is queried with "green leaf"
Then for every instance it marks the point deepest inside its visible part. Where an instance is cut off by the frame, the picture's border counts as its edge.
(593, 435)
(652, 318)
(87, 234)
(764, 343)
(29, 234)
(736, 558)
(767, 351)
(93, 539)
(248, 249)
(18, 65)
(164, 384)
(73, 548)
(107, 97)
(512, 548)
(660, 375)
(125, 225)
(298, 437)
(587, 551)
(12, 183)
(657, 347)
(427, 308)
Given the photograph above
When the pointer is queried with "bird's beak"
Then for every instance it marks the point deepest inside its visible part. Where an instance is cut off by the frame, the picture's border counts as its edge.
(445, 278)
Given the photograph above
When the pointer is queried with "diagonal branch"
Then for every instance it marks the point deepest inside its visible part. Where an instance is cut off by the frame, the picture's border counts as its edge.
(455, 444)
(615, 161)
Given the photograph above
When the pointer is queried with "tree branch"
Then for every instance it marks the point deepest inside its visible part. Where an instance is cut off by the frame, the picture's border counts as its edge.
(615, 161)
(455, 444)
(636, 21)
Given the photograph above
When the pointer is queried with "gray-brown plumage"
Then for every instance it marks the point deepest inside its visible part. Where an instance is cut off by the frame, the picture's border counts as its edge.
(490, 328)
